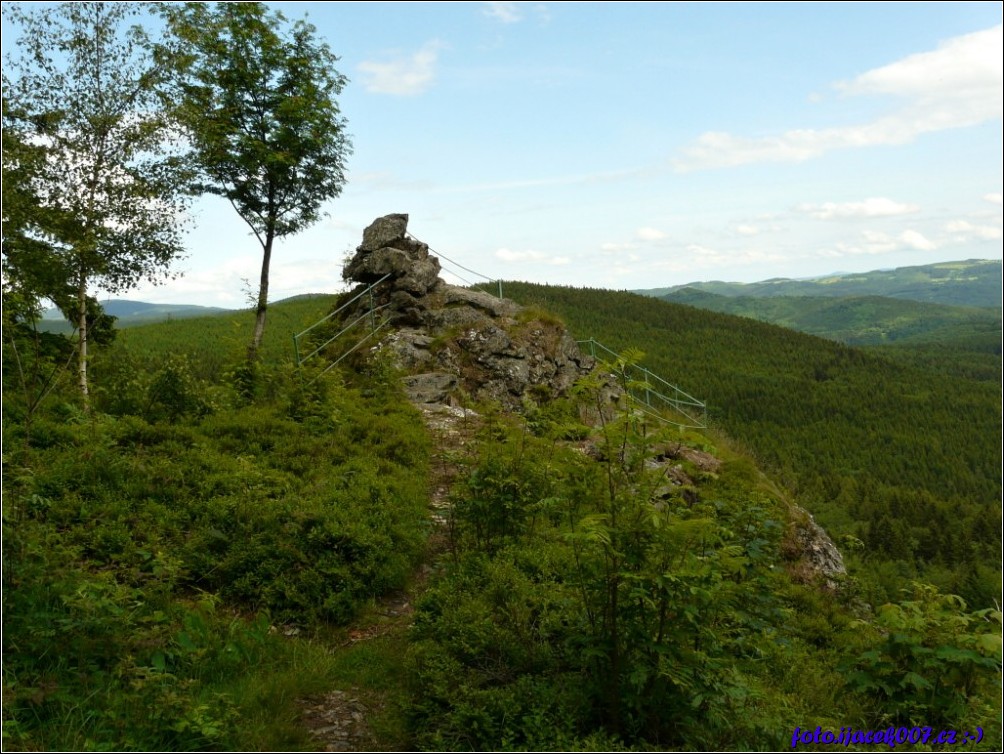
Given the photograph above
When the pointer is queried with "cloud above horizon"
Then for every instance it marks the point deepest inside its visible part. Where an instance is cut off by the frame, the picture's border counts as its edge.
(877, 206)
(958, 84)
(403, 75)
(650, 234)
(530, 255)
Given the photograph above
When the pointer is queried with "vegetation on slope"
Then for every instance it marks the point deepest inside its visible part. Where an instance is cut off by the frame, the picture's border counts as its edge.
(584, 604)
(156, 553)
(177, 565)
(857, 320)
(904, 461)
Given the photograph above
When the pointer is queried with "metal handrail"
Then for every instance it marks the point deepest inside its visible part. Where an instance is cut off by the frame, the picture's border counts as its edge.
(676, 403)
(337, 335)
(337, 361)
(441, 256)
(369, 313)
(352, 300)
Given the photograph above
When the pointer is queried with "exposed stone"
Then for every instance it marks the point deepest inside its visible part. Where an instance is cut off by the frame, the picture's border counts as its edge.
(485, 302)
(384, 231)
(816, 550)
(493, 353)
(431, 387)
(410, 348)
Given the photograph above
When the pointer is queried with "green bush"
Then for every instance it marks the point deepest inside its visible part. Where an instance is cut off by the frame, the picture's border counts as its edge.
(132, 542)
(930, 662)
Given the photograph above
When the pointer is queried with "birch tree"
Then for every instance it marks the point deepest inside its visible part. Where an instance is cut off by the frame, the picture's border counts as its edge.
(81, 87)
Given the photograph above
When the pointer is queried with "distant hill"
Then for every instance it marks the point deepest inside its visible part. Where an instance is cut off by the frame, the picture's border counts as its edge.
(857, 320)
(131, 313)
(971, 282)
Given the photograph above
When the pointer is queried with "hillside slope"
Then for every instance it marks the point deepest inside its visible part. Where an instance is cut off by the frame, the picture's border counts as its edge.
(856, 320)
(902, 458)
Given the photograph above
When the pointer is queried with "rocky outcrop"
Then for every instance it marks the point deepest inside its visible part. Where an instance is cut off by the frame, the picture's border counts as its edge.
(492, 348)
(813, 554)
(388, 251)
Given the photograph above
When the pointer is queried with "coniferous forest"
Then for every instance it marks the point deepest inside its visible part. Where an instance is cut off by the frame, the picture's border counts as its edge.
(898, 452)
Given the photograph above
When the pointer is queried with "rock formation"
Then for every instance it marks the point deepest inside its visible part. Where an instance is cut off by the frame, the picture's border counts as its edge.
(815, 551)
(449, 338)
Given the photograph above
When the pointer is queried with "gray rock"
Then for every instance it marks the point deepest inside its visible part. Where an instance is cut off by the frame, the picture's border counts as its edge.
(431, 387)
(384, 231)
(410, 348)
(817, 549)
(485, 302)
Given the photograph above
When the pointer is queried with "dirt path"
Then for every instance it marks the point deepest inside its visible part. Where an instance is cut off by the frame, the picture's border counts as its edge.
(339, 720)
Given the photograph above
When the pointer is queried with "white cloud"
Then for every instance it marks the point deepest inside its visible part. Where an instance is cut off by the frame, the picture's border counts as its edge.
(877, 242)
(872, 207)
(874, 243)
(507, 13)
(747, 230)
(963, 68)
(994, 198)
(616, 247)
(963, 230)
(916, 240)
(702, 251)
(959, 84)
(530, 255)
(650, 234)
(405, 75)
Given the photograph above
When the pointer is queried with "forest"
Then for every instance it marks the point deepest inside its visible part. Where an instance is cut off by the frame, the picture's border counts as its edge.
(187, 564)
(897, 454)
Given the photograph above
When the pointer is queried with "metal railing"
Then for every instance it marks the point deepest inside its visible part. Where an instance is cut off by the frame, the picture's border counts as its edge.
(648, 391)
(370, 315)
(449, 268)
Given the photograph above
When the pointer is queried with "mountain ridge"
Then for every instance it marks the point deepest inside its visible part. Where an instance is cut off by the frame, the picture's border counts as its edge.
(969, 282)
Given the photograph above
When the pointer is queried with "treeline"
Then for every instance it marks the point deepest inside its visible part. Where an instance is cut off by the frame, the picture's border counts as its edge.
(904, 459)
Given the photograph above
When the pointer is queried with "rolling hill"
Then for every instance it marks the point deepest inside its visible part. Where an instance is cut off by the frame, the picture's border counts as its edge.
(855, 320)
(971, 282)
(896, 453)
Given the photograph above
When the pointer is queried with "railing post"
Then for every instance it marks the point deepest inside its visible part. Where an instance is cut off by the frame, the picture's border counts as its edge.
(372, 321)
(296, 350)
(500, 289)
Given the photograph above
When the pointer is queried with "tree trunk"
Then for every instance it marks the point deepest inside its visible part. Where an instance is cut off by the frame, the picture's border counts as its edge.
(82, 334)
(259, 324)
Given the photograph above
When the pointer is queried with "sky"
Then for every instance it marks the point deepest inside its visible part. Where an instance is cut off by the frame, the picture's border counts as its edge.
(644, 145)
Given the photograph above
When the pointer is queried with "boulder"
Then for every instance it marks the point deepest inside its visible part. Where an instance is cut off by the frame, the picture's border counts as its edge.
(384, 231)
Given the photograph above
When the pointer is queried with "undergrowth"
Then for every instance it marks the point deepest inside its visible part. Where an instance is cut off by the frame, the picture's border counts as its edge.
(160, 554)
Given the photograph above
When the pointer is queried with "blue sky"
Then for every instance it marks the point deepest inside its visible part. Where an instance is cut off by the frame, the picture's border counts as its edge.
(640, 145)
